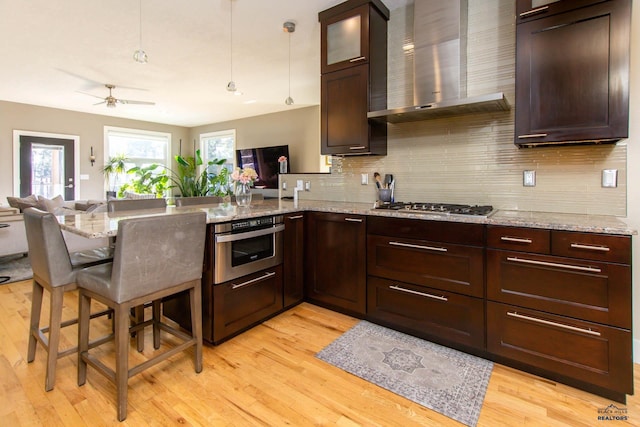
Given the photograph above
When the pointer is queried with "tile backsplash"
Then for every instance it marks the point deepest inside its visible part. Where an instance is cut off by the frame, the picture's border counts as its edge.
(472, 158)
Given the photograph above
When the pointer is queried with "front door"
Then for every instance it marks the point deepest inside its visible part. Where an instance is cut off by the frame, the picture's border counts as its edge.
(47, 167)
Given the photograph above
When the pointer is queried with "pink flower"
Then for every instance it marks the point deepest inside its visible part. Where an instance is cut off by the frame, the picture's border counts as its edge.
(244, 176)
(282, 159)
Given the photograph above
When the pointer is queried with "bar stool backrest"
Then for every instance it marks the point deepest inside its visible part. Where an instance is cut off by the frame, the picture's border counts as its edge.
(192, 201)
(118, 205)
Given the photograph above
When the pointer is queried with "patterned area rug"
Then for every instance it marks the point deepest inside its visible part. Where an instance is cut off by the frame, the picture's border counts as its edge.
(445, 380)
(17, 267)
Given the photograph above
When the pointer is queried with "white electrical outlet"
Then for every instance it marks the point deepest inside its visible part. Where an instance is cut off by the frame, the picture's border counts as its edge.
(300, 184)
(364, 178)
(284, 185)
(307, 186)
(529, 178)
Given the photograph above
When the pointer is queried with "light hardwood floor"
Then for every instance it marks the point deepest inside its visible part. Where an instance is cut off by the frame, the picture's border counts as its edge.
(266, 376)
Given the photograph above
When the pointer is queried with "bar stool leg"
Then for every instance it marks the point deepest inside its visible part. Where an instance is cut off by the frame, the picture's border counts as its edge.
(34, 325)
(84, 312)
(55, 318)
(122, 358)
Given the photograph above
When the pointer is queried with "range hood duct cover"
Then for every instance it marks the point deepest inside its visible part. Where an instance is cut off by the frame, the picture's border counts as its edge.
(440, 67)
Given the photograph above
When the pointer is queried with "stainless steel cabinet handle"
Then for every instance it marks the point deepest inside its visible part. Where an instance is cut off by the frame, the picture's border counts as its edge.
(295, 217)
(555, 264)
(357, 147)
(221, 238)
(532, 135)
(534, 11)
(353, 219)
(249, 282)
(515, 239)
(590, 247)
(548, 322)
(360, 58)
(409, 245)
(422, 294)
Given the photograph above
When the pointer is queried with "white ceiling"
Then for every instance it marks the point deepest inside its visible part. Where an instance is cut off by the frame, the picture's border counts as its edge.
(53, 49)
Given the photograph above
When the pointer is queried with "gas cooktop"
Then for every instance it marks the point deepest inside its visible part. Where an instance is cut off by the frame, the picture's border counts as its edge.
(438, 208)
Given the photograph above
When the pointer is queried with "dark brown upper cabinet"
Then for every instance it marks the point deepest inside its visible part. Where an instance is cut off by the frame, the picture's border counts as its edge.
(354, 77)
(572, 72)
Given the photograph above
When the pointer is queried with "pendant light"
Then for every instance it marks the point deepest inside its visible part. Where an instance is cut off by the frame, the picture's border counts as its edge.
(289, 27)
(231, 86)
(140, 55)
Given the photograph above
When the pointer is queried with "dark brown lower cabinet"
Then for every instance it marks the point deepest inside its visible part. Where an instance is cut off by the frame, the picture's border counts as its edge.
(433, 314)
(242, 303)
(293, 270)
(336, 272)
(590, 355)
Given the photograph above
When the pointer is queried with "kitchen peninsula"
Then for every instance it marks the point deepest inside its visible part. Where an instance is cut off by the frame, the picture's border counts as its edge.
(468, 282)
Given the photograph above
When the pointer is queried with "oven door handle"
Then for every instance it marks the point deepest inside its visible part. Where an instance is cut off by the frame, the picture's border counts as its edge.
(222, 238)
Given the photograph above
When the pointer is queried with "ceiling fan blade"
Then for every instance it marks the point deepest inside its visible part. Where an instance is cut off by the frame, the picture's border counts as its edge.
(98, 103)
(90, 94)
(129, 101)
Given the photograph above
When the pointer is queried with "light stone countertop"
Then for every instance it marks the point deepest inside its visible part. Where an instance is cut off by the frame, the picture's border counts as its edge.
(96, 225)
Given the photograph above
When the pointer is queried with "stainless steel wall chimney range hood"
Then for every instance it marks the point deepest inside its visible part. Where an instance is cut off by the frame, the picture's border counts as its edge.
(440, 67)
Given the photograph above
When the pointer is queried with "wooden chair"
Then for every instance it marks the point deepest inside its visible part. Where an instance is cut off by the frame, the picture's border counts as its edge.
(118, 205)
(193, 201)
(155, 257)
(54, 269)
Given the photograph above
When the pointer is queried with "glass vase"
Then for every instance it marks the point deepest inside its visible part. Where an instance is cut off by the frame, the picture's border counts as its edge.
(243, 194)
(283, 166)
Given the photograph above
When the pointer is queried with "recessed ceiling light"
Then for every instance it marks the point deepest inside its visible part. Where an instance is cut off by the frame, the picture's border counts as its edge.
(408, 46)
(251, 101)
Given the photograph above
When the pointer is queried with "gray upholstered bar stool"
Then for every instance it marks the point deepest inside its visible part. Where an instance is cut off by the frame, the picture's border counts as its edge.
(118, 205)
(155, 257)
(54, 269)
(193, 201)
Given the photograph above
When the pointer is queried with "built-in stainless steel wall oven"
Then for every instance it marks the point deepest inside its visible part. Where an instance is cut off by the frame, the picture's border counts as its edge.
(246, 246)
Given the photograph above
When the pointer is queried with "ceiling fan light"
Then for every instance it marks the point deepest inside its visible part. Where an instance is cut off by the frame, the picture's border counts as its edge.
(140, 56)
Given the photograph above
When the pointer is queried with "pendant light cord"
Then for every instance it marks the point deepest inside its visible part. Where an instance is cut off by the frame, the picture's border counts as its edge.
(231, 38)
(140, 45)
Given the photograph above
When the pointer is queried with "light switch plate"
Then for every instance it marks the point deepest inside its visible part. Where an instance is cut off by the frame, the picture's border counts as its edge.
(364, 178)
(609, 178)
(529, 178)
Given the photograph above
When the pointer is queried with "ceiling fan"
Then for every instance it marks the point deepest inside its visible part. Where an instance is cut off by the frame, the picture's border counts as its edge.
(111, 101)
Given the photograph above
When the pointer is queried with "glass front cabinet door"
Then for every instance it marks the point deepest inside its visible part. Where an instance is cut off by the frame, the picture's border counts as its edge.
(345, 40)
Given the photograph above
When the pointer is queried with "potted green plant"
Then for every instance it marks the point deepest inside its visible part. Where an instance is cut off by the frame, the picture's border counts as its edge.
(115, 166)
(191, 184)
(146, 181)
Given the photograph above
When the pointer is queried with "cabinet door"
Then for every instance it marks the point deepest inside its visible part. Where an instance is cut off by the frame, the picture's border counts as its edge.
(293, 259)
(345, 39)
(572, 76)
(345, 128)
(336, 262)
(429, 313)
(567, 348)
(240, 304)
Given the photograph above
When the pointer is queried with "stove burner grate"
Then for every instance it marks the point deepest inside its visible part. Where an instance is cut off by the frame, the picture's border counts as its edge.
(438, 208)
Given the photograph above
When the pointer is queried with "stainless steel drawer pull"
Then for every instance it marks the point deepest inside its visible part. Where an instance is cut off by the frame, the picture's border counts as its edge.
(555, 264)
(534, 11)
(590, 247)
(357, 147)
(548, 322)
(360, 58)
(532, 135)
(249, 282)
(515, 239)
(422, 294)
(295, 217)
(409, 245)
(353, 219)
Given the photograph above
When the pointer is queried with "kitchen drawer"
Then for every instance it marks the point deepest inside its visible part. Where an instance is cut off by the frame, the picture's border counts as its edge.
(445, 266)
(535, 240)
(599, 247)
(594, 291)
(435, 231)
(429, 313)
(588, 352)
(239, 304)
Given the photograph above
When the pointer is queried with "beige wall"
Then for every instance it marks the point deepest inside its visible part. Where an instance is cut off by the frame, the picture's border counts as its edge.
(299, 128)
(90, 129)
